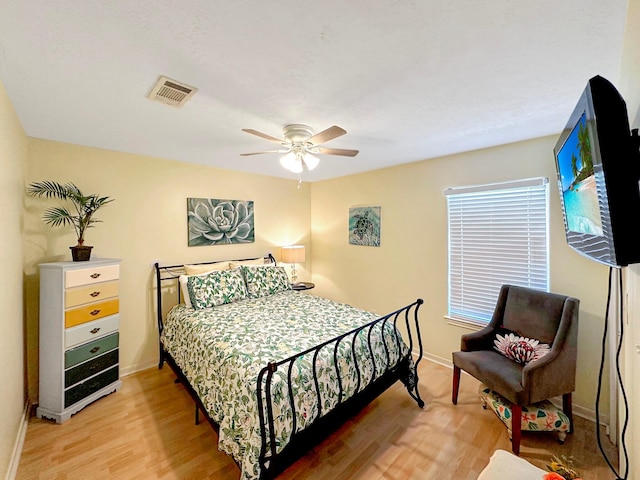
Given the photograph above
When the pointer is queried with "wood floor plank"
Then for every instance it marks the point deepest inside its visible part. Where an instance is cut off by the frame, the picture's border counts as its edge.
(147, 431)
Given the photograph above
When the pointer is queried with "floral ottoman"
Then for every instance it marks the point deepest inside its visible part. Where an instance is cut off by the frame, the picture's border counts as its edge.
(540, 417)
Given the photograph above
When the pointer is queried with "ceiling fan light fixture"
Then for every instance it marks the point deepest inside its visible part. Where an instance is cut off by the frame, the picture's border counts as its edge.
(302, 145)
(291, 162)
(310, 161)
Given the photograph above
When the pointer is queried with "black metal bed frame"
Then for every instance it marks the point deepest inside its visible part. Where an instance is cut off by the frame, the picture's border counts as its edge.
(271, 461)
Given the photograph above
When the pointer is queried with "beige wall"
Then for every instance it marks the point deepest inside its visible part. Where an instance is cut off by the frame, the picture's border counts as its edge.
(13, 159)
(147, 223)
(412, 259)
(630, 90)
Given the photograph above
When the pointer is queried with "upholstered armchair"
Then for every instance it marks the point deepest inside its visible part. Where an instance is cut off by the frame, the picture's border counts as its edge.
(547, 317)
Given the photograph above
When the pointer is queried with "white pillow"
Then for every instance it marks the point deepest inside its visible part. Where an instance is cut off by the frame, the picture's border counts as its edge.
(255, 261)
(184, 291)
(205, 268)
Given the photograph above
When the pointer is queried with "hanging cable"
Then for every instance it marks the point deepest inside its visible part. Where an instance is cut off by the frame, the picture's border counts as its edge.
(600, 374)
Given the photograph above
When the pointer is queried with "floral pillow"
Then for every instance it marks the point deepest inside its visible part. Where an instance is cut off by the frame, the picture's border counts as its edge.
(520, 349)
(215, 288)
(265, 280)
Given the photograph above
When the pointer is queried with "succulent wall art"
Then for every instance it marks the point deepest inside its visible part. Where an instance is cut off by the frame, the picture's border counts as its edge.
(219, 222)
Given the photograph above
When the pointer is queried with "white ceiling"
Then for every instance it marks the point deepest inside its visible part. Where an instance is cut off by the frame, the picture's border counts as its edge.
(408, 79)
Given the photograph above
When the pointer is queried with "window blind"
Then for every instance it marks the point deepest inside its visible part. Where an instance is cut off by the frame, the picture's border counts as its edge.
(497, 235)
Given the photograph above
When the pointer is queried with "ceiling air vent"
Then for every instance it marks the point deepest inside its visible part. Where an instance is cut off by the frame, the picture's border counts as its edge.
(171, 92)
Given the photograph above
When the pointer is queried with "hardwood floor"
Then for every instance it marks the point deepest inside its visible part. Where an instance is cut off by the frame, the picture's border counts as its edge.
(147, 431)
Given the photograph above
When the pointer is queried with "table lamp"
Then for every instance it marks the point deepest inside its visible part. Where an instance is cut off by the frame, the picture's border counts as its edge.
(293, 254)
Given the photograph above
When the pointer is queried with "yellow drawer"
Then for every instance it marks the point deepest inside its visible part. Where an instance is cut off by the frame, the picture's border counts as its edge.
(87, 276)
(90, 293)
(88, 313)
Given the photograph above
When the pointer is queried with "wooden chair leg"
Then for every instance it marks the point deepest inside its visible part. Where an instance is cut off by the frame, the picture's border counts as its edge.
(567, 408)
(456, 385)
(516, 428)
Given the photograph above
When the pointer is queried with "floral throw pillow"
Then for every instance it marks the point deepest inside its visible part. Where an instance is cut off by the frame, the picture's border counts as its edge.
(265, 280)
(216, 288)
(520, 349)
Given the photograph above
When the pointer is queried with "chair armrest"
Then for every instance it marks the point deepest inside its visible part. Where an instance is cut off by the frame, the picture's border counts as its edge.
(555, 373)
(480, 340)
(552, 375)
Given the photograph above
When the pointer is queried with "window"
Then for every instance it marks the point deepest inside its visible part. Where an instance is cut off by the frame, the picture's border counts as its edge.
(497, 235)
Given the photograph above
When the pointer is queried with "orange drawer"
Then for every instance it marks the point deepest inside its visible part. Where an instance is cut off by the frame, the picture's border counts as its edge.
(88, 313)
(74, 297)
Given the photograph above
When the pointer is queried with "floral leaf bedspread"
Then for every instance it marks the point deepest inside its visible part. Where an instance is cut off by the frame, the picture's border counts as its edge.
(221, 351)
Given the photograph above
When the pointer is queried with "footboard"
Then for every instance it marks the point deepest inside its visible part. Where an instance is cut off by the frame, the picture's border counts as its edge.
(397, 366)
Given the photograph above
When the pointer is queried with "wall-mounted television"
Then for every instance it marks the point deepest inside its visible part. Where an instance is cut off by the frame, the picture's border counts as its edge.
(598, 165)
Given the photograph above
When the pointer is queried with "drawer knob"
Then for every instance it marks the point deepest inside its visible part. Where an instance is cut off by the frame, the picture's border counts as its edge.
(94, 349)
(94, 312)
(94, 294)
(95, 275)
(95, 330)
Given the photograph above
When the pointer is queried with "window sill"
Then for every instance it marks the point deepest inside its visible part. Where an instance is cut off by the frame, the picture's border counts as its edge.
(464, 323)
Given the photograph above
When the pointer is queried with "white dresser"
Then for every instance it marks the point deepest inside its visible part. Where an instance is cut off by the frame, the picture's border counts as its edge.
(79, 338)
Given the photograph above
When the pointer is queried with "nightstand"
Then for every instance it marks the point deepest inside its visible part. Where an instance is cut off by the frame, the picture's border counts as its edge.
(302, 286)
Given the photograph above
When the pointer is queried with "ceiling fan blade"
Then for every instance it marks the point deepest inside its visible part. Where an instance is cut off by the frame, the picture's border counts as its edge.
(260, 153)
(326, 135)
(264, 135)
(336, 151)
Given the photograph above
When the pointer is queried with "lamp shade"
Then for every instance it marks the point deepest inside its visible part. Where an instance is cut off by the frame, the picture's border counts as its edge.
(291, 162)
(292, 254)
(310, 161)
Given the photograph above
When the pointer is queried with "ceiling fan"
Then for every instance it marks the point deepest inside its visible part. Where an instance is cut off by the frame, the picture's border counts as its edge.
(301, 145)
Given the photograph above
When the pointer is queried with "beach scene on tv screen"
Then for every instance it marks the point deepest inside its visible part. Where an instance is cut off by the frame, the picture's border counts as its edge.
(577, 176)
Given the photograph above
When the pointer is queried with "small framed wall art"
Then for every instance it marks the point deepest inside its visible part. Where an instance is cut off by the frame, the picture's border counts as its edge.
(219, 222)
(364, 226)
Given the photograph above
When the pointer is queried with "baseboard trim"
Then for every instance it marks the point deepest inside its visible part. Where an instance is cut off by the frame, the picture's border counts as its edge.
(137, 368)
(17, 448)
(579, 410)
(436, 359)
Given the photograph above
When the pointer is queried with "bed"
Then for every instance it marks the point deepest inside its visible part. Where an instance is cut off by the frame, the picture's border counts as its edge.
(274, 368)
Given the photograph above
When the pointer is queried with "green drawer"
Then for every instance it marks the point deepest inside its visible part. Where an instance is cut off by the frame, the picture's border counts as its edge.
(89, 350)
(86, 369)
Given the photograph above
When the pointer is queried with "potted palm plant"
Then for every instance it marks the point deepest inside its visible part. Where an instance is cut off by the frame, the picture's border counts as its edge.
(81, 217)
